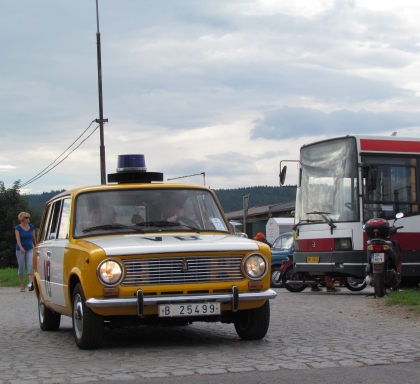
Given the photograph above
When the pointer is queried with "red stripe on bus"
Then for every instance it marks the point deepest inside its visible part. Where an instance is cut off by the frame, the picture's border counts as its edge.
(316, 245)
(408, 241)
(389, 145)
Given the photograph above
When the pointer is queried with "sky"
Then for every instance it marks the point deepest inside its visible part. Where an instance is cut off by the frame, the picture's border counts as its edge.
(227, 88)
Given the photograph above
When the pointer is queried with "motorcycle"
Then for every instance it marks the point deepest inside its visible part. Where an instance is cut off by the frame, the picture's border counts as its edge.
(383, 270)
(297, 282)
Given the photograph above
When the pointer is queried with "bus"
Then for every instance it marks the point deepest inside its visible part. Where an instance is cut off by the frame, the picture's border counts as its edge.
(345, 181)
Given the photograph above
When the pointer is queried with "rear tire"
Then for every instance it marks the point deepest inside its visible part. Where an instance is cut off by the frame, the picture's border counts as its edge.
(379, 284)
(289, 274)
(88, 327)
(354, 284)
(252, 324)
(48, 319)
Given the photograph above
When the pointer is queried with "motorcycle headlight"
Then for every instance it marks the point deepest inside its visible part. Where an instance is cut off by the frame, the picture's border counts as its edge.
(110, 272)
(255, 266)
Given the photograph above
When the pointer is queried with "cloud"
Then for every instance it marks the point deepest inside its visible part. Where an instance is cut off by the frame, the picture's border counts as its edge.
(284, 123)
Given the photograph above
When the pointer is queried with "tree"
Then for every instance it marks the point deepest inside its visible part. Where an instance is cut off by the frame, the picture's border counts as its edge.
(11, 204)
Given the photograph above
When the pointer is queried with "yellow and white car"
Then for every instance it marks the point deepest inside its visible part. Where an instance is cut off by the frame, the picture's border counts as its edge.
(141, 251)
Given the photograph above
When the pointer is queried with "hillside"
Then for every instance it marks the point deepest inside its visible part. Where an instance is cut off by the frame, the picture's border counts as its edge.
(230, 199)
(37, 202)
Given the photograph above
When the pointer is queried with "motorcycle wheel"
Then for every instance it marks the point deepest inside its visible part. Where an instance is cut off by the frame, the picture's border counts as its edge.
(275, 272)
(289, 274)
(355, 285)
(379, 284)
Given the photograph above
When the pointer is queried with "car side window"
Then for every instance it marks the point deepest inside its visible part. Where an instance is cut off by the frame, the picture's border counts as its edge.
(46, 223)
(53, 226)
(63, 232)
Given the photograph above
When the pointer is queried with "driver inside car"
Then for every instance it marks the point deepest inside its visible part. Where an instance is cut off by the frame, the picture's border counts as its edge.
(173, 210)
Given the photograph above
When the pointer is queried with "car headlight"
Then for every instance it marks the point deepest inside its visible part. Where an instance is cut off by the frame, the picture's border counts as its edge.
(255, 266)
(110, 272)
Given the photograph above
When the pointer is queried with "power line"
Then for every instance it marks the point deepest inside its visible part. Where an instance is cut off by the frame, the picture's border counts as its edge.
(49, 168)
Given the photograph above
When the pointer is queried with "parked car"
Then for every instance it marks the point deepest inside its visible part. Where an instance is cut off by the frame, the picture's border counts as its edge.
(282, 247)
(141, 251)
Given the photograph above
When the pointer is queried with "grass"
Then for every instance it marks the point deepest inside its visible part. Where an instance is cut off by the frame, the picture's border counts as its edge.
(9, 277)
(407, 297)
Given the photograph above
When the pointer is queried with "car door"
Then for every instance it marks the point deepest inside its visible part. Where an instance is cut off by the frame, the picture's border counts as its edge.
(51, 251)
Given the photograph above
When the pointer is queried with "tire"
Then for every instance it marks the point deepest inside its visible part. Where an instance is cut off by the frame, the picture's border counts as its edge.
(275, 271)
(354, 284)
(289, 275)
(88, 327)
(379, 284)
(48, 319)
(252, 324)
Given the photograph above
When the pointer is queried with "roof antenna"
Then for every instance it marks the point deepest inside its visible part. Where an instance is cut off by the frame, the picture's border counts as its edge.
(394, 134)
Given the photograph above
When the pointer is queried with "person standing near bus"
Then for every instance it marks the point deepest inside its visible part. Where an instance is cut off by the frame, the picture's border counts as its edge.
(24, 249)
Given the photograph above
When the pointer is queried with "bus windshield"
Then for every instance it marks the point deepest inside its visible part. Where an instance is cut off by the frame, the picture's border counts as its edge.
(328, 182)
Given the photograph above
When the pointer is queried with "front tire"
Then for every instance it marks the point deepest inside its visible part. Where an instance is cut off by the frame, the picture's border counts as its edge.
(48, 319)
(379, 284)
(88, 327)
(354, 284)
(289, 274)
(252, 324)
(275, 272)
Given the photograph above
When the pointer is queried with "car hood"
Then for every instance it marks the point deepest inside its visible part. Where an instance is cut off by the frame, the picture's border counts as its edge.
(171, 243)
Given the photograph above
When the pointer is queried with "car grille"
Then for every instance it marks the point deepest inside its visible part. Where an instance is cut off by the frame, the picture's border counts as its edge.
(178, 270)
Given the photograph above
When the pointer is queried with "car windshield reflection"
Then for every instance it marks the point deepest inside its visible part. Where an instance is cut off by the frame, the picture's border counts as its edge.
(147, 210)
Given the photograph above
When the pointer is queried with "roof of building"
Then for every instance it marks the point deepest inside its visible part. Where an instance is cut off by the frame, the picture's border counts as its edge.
(264, 211)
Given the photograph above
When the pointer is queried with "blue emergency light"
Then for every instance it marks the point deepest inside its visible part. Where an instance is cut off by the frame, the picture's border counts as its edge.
(128, 163)
(132, 169)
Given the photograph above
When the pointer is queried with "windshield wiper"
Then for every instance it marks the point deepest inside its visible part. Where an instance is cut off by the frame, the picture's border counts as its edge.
(325, 217)
(305, 221)
(166, 224)
(106, 227)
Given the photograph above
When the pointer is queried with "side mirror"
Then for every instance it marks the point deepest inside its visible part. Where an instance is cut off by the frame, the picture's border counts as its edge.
(283, 175)
(399, 215)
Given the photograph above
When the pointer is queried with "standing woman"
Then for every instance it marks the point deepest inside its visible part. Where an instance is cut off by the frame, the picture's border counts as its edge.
(24, 248)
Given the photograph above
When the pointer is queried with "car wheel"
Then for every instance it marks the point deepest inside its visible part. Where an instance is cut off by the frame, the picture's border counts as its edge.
(48, 319)
(252, 324)
(275, 277)
(88, 327)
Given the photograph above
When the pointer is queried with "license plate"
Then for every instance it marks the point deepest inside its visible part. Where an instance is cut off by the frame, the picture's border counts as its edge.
(312, 259)
(378, 258)
(192, 309)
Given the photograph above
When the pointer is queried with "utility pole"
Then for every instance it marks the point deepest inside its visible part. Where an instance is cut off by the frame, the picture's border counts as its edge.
(101, 119)
(245, 203)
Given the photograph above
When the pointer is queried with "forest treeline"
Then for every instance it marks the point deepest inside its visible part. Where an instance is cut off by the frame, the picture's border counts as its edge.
(230, 199)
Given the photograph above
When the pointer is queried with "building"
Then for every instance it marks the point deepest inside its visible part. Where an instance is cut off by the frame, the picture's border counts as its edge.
(257, 217)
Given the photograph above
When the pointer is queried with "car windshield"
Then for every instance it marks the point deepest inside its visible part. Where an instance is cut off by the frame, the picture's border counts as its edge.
(147, 210)
(283, 242)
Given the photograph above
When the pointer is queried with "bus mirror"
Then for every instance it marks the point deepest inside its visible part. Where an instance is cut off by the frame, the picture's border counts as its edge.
(283, 175)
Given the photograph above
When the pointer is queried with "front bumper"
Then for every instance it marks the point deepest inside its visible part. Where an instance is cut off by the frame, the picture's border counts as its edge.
(140, 300)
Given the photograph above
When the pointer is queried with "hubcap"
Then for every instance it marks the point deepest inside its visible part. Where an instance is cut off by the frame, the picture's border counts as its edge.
(78, 316)
(41, 310)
